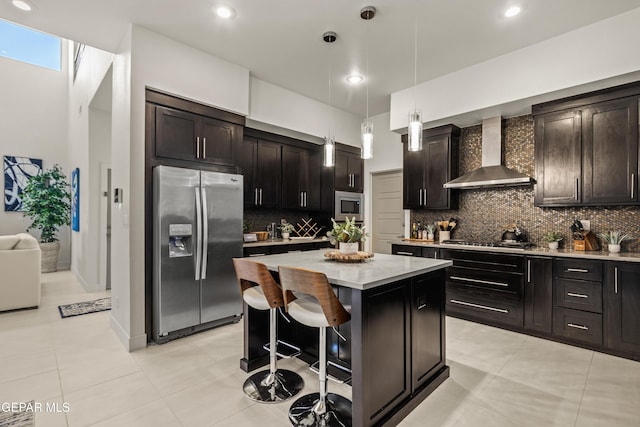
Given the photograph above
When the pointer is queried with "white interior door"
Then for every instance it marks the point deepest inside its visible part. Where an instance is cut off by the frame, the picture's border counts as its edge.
(387, 215)
(105, 227)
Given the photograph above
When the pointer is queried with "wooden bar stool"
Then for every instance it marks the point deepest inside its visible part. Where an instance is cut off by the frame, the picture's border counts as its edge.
(310, 300)
(260, 291)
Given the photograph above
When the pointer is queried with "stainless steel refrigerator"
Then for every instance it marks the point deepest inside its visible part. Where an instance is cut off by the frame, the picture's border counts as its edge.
(197, 230)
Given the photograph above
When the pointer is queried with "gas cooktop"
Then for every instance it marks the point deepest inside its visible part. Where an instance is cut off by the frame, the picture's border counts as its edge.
(498, 244)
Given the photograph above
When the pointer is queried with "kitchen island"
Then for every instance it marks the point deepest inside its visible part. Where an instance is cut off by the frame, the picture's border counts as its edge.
(395, 344)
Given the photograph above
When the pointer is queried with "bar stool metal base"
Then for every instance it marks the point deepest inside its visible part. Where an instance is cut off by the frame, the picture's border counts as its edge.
(337, 411)
(265, 387)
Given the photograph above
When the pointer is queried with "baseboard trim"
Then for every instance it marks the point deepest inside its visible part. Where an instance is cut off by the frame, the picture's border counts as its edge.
(129, 343)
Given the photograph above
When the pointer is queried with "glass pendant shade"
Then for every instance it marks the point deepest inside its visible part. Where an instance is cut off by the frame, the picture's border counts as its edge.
(366, 151)
(329, 151)
(415, 131)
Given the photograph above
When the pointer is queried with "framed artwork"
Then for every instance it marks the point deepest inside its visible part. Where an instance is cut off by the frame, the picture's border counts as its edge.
(75, 199)
(17, 171)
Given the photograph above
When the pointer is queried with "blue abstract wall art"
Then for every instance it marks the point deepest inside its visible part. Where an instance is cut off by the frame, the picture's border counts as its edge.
(75, 199)
(17, 171)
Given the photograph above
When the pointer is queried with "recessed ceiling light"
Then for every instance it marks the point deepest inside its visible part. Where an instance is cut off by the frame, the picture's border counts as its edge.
(354, 79)
(225, 12)
(22, 5)
(512, 11)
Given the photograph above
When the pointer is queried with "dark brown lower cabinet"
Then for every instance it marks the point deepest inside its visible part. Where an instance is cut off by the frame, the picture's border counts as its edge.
(538, 296)
(623, 307)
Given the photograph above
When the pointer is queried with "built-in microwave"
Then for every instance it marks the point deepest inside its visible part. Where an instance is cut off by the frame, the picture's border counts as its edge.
(349, 205)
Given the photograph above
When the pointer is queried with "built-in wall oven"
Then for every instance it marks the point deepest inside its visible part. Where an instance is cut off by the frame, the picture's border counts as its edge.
(349, 205)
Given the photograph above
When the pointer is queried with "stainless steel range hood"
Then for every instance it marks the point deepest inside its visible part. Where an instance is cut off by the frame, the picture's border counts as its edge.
(492, 173)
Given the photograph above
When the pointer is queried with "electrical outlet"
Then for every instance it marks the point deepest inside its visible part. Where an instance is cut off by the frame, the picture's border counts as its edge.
(586, 224)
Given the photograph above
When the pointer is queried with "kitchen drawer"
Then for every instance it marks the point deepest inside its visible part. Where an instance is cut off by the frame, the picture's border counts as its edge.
(485, 260)
(406, 250)
(431, 253)
(578, 269)
(578, 325)
(485, 279)
(257, 251)
(492, 307)
(579, 295)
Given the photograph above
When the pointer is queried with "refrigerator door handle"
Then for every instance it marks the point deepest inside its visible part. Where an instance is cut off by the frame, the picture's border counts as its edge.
(205, 233)
(198, 233)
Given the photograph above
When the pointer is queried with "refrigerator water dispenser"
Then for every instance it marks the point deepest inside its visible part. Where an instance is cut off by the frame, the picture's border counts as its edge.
(180, 240)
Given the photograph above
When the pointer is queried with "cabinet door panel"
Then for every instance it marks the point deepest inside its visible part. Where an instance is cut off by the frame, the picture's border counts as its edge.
(246, 156)
(623, 308)
(292, 164)
(413, 181)
(558, 159)
(437, 173)
(538, 297)
(313, 170)
(175, 134)
(610, 140)
(268, 176)
(217, 139)
(341, 171)
(356, 169)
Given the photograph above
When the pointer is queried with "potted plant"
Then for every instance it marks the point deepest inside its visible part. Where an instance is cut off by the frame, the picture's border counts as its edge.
(614, 239)
(47, 201)
(286, 229)
(552, 238)
(348, 235)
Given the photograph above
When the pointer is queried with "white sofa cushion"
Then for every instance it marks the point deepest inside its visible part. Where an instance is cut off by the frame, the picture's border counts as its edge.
(27, 241)
(8, 242)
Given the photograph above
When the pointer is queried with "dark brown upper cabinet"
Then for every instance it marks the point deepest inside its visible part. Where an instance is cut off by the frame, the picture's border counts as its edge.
(301, 178)
(586, 149)
(426, 171)
(260, 162)
(349, 171)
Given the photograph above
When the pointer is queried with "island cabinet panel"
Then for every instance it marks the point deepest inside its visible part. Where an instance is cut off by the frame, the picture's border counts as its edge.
(623, 307)
(538, 296)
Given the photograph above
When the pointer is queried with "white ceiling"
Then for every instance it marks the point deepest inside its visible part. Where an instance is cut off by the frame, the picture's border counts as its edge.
(280, 40)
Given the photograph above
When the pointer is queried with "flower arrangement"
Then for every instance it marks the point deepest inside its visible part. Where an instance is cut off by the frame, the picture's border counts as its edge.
(349, 232)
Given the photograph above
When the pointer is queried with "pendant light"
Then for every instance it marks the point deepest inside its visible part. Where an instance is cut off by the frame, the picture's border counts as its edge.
(415, 118)
(329, 141)
(366, 129)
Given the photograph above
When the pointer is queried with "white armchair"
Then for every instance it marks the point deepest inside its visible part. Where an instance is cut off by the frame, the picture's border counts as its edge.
(19, 272)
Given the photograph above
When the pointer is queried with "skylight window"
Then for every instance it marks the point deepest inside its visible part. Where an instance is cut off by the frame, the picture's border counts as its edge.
(30, 46)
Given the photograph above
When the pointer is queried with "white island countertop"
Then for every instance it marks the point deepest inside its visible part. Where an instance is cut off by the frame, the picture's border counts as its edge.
(379, 270)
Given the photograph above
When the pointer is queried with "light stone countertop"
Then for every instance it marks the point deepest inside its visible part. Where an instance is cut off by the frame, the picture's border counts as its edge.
(376, 271)
(277, 242)
(536, 250)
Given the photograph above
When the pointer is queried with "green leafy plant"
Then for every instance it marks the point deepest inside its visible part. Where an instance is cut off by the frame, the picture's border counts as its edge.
(348, 232)
(285, 227)
(47, 201)
(553, 236)
(614, 237)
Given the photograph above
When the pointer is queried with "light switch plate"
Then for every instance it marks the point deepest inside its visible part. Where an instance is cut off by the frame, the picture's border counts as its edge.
(586, 224)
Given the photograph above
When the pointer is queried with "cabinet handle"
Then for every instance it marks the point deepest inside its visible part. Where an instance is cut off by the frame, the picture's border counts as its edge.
(404, 253)
(425, 196)
(571, 294)
(581, 327)
(294, 252)
(435, 255)
(633, 185)
(486, 282)
(197, 147)
(420, 192)
(204, 148)
(615, 279)
(577, 189)
(305, 199)
(261, 197)
(255, 202)
(484, 307)
(301, 203)
(528, 271)
(256, 255)
(577, 270)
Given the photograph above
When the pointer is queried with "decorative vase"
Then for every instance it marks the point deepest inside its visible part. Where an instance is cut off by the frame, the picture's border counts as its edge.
(430, 236)
(614, 248)
(49, 252)
(348, 248)
(285, 236)
(553, 245)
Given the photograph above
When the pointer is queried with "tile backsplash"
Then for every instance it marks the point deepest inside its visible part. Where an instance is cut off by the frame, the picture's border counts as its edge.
(483, 213)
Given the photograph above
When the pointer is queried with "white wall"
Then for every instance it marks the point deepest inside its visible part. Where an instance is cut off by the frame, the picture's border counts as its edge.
(582, 59)
(33, 107)
(387, 156)
(85, 244)
(283, 108)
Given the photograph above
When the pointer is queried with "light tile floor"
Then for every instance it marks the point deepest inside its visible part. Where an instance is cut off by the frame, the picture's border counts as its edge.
(498, 378)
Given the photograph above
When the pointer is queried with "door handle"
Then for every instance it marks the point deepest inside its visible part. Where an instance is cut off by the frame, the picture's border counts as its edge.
(484, 307)
(573, 325)
(198, 233)
(420, 192)
(573, 294)
(577, 270)
(615, 279)
(404, 253)
(528, 271)
(301, 201)
(261, 197)
(255, 198)
(425, 197)
(204, 148)
(633, 185)
(205, 233)
(305, 199)
(197, 147)
(577, 189)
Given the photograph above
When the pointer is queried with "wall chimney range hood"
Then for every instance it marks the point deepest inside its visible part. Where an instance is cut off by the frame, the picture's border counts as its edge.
(492, 173)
